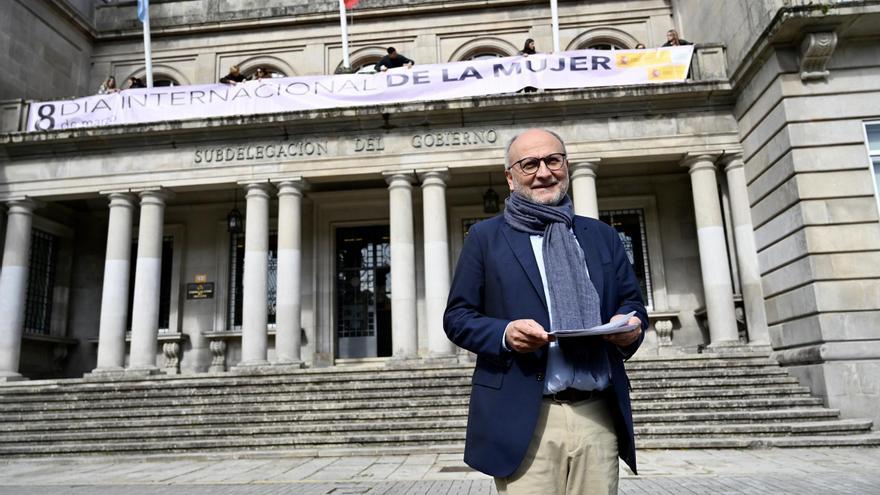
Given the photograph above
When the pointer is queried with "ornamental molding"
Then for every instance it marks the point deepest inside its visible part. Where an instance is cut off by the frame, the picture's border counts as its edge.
(816, 51)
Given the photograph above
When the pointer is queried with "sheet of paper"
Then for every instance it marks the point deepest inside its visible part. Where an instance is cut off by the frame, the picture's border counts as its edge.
(616, 326)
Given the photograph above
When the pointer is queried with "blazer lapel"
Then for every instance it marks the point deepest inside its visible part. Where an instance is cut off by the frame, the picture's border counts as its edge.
(522, 249)
(591, 252)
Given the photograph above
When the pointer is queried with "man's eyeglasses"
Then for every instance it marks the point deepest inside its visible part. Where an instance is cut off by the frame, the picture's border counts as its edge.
(530, 164)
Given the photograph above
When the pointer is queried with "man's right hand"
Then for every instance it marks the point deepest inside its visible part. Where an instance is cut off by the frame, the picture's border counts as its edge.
(526, 336)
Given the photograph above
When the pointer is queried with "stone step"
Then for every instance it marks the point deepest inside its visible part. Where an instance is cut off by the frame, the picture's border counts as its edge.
(255, 430)
(792, 414)
(714, 393)
(159, 388)
(243, 410)
(842, 426)
(242, 443)
(714, 382)
(668, 364)
(759, 442)
(305, 394)
(760, 402)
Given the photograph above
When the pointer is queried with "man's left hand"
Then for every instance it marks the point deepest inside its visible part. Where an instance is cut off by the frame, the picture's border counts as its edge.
(625, 339)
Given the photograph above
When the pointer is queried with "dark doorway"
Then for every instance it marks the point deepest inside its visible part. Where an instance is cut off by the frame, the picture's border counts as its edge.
(363, 292)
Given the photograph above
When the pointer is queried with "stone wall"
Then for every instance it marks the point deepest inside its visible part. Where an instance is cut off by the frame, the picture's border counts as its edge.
(737, 24)
(46, 54)
(816, 219)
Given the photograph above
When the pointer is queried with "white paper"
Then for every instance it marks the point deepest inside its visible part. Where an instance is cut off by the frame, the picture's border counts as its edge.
(620, 325)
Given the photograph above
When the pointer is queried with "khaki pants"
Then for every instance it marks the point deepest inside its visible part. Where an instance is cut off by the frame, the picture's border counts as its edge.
(573, 451)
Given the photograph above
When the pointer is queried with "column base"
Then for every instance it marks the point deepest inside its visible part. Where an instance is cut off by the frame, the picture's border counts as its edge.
(12, 377)
(253, 368)
(728, 346)
(288, 365)
(104, 373)
(143, 371)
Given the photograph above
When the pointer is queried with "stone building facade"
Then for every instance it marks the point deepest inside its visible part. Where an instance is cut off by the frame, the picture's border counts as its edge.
(745, 195)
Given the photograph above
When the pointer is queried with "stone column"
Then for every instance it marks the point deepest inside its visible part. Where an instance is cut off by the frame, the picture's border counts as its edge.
(583, 187)
(404, 330)
(13, 285)
(436, 259)
(746, 252)
(147, 283)
(288, 305)
(114, 299)
(255, 304)
(714, 266)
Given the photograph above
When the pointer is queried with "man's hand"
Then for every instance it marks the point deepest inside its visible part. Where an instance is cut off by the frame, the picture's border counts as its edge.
(383, 68)
(526, 336)
(625, 339)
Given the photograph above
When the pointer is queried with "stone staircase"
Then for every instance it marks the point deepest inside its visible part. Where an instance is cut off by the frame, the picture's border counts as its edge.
(693, 401)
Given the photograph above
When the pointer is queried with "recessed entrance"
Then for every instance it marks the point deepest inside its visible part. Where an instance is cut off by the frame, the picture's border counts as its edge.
(363, 292)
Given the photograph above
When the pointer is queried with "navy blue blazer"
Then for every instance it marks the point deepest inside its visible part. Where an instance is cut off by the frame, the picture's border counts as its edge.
(496, 281)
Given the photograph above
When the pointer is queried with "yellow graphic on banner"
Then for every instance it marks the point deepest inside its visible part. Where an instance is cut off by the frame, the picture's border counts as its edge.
(668, 73)
(643, 59)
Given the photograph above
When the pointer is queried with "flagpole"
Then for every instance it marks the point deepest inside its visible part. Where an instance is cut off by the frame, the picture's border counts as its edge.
(148, 53)
(554, 19)
(343, 24)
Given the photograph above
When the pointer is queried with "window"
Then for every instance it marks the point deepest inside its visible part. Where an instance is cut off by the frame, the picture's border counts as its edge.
(485, 55)
(270, 72)
(164, 82)
(872, 131)
(41, 283)
(605, 46)
(235, 304)
(630, 227)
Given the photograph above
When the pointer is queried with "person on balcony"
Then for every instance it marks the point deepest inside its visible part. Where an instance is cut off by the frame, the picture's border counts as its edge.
(234, 77)
(108, 86)
(528, 48)
(260, 73)
(135, 82)
(672, 39)
(392, 61)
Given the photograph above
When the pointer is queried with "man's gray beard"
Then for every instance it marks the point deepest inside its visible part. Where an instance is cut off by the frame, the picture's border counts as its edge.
(524, 193)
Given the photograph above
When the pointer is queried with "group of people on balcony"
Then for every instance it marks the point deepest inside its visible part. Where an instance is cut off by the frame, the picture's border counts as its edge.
(391, 60)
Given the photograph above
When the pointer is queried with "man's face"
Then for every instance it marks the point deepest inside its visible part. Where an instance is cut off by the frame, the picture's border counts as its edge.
(545, 186)
(671, 36)
(392, 55)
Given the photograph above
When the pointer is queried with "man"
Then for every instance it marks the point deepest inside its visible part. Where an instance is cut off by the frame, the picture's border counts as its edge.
(392, 61)
(547, 415)
(672, 39)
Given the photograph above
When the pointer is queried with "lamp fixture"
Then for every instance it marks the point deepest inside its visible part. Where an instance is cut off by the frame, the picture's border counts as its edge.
(234, 223)
(490, 198)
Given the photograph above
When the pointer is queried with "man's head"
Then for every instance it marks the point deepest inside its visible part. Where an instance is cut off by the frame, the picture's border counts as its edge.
(543, 184)
(672, 36)
(392, 53)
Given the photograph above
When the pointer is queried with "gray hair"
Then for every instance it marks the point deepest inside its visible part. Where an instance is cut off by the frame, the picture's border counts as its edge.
(507, 163)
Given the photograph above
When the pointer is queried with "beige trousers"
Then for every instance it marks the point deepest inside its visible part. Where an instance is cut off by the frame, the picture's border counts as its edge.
(573, 451)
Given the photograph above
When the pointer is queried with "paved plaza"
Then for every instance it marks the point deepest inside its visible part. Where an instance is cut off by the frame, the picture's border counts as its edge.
(777, 471)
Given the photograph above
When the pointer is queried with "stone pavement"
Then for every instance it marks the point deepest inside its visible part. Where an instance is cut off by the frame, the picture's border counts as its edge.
(777, 471)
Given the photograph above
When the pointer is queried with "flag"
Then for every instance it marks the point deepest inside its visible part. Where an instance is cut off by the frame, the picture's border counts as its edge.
(143, 7)
(350, 4)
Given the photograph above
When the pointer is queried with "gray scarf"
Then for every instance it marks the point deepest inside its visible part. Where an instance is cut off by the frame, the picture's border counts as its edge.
(573, 298)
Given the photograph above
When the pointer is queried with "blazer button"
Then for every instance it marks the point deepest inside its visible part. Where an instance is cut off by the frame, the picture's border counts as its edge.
(540, 377)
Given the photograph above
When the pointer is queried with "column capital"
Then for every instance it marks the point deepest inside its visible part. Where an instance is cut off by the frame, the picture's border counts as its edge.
(732, 161)
(434, 176)
(155, 196)
(23, 206)
(698, 161)
(584, 166)
(257, 189)
(397, 178)
(122, 199)
(291, 186)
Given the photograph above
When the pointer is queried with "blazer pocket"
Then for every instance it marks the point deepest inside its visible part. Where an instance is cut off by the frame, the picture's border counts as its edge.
(488, 376)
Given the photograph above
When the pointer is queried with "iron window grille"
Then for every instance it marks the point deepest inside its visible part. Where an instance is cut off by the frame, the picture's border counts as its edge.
(41, 283)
